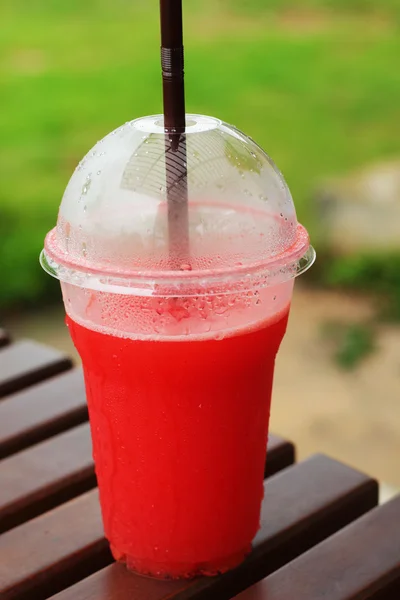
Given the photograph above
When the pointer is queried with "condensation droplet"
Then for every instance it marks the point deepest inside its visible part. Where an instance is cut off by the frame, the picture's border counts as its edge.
(185, 267)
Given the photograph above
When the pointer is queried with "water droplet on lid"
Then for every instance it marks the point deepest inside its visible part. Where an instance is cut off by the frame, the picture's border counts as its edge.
(85, 208)
(254, 155)
(99, 172)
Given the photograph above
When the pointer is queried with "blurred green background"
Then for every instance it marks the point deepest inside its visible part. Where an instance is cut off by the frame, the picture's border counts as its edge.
(316, 82)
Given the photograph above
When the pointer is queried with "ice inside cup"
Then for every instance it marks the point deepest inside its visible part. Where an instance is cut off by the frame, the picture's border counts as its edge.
(178, 349)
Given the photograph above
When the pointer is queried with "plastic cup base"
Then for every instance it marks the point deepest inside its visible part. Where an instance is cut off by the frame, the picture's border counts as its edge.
(180, 570)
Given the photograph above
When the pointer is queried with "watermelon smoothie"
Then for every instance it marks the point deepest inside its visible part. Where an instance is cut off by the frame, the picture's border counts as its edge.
(178, 322)
(179, 429)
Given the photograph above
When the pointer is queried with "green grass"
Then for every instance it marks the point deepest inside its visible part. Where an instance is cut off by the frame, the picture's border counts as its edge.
(350, 343)
(316, 82)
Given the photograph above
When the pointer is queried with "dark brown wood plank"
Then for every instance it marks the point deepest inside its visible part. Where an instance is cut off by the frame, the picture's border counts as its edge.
(27, 362)
(63, 545)
(45, 475)
(360, 562)
(303, 505)
(4, 338)
(41, 411)
(281, 454)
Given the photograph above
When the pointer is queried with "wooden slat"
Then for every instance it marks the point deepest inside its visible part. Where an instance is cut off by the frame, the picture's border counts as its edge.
(281, 454)
(45, 475)
(25, 363)
(303, 505)
(361, 562)
(4, 338)
(61, 546)
(42, 411)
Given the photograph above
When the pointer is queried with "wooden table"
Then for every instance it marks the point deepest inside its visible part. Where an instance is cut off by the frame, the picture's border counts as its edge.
(322, 535)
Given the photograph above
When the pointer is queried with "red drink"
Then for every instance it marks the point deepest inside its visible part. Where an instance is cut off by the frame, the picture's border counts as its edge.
(179, 439)
(177, 268)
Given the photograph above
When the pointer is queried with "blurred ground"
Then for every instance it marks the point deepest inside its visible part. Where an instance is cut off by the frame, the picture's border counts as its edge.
(348, 415)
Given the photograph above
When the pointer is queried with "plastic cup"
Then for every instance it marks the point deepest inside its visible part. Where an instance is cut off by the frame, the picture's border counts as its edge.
(178, 357)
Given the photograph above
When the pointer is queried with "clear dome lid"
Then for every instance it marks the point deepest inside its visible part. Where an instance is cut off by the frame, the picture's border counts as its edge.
(238, 226)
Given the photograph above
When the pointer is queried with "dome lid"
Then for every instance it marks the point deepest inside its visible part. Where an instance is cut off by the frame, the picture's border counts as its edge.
(114, 225)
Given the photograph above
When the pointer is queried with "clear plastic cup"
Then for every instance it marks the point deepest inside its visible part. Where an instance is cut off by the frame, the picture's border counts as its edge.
(178, 337)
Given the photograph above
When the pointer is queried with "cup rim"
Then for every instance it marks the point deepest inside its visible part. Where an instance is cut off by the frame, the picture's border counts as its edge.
(293, 261)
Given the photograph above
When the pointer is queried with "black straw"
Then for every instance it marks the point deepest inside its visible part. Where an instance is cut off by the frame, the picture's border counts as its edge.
(172, 63)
